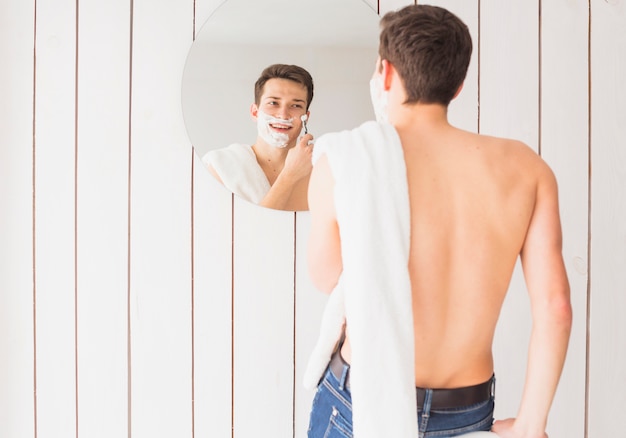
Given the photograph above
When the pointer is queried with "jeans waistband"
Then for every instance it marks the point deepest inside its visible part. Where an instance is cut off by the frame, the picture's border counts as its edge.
(441, 398)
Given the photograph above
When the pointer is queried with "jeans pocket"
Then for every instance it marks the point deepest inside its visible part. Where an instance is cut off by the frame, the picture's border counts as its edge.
(338, 426)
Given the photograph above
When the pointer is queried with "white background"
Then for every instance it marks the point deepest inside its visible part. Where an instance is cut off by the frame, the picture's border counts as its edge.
(138, 298)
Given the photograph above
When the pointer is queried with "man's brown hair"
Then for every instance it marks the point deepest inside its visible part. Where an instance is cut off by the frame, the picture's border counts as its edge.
(284, 71)
(430, 48)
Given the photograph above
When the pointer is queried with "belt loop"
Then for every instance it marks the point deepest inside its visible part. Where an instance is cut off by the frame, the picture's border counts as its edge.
(423, 425)
(344, 377)
(493, 386)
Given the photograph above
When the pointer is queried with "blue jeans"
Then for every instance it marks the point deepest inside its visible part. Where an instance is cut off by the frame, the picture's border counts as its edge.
(331, 413)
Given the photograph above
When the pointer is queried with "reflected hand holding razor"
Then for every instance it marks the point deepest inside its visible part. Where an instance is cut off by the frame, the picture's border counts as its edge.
(304, 118)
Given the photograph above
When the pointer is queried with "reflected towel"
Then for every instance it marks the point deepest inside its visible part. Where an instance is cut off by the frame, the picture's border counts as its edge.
(374, 289)
(239, 171)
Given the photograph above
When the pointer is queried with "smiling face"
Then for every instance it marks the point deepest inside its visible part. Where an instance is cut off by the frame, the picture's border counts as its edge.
(279, 111)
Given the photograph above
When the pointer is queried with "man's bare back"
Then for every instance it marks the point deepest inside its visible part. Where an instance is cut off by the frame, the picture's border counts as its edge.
(472, 199)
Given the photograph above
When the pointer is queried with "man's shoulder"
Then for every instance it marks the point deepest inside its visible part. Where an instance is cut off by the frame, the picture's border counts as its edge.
(230, 150)
(510, 148)
(234, 154)
(520, 157)
(501, 141)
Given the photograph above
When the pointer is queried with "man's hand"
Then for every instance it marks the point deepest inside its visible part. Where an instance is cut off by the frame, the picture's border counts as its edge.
(506, 429)
(298, 164)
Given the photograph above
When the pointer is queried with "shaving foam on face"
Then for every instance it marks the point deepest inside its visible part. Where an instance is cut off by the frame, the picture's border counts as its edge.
(380, 99)
(273, 138)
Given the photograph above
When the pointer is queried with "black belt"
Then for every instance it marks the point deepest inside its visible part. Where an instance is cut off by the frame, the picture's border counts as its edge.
(441, 399)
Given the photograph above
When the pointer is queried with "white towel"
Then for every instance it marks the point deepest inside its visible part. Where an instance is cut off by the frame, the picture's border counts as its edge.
(239, 171)
(372, 205)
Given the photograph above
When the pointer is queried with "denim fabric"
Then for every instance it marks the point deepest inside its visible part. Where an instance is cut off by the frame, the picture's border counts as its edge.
(331, 413)
(451, 422)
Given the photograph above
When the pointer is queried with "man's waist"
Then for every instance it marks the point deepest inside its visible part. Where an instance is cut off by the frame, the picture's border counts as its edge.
(444, 398)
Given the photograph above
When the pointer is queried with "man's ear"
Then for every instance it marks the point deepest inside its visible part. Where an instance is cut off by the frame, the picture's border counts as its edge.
(387, 72)
(254, 111)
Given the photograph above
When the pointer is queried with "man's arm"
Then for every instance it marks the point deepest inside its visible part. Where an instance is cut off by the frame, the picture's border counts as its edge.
(297, 167)
(324, 253)
(548, 287)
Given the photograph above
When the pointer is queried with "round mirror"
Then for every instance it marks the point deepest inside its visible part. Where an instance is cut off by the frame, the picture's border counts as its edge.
(335, 41)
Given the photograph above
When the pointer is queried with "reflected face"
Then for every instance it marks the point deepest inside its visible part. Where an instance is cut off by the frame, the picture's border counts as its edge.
(285, 100)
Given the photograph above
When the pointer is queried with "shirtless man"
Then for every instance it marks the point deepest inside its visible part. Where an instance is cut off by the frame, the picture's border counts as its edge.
(477, 203)
(282, 96)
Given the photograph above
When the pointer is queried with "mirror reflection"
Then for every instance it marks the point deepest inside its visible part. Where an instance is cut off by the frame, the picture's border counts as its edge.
(248, 105)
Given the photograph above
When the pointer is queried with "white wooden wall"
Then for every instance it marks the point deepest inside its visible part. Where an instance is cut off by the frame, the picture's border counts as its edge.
(140, 299)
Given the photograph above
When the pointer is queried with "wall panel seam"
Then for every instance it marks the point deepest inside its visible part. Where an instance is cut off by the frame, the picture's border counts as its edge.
(589, 216)
(193, 290)
(34, 218)
(539, 76)
(129, 391)
(232, 315)
(76, 74)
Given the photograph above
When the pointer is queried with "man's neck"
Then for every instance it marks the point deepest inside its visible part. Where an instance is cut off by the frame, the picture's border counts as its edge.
(420, 116)
(270, 158)
(261, 148)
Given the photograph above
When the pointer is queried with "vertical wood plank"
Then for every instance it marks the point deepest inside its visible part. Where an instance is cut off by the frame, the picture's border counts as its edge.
(564, 145)
(17, 385)
(607, 331)
(160, 211)
(103, 114)
(509, 107)
(309, 305)
(55, 218)
(509, 70)
(263, 336)
(212, 289)
(212, 282)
